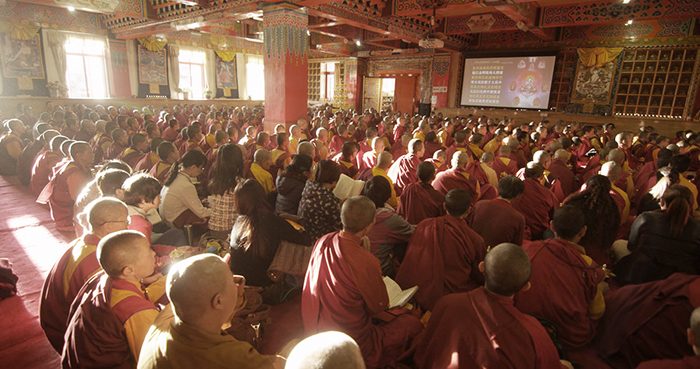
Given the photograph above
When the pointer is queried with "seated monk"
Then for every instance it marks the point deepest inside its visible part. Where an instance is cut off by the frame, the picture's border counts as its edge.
(327, 350)
(43, 166)
(565, 176)
(482, 328)
(76, 266)
(648, 321)
(384, 161)
(11, 146)
(688, 361)
(262, 141)
(549, 179)
(496, 221)
(444, 254)
(457, 177)
(147, 161)
(420, 200)
(439, 159)
(476, 142)
(626, 181)
(120, 141)
(613, 171)
(460, 144)
(280, 154)
(369, 158)
(486, 163)
(403, 171)
(400, 148)
(30, 153)
(116, 302)
(537, 204)
(187, 333)
(503, 164)
(567, 286)
(391, 233)
(259, 170)
(168, 155)
(343, 290)
(345, 159)
(65, 186)
(170, 134)
(134, 153)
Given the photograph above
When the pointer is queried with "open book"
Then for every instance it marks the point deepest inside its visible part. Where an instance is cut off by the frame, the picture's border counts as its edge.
(347, 187)
(398, 297)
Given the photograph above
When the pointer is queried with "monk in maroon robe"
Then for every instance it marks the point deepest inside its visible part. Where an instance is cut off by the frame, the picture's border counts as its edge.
(403, 171)
(171, 133)
(444, 254)
(460, 144)
(76, 266)
(648, 321)
(496, 221)
(134, 153)
(566, 178)
(42, 169)
(567, 285)
(343, 290)
(537, 204)
(420, 200)
(482, 328)
(503, 165)
(457, 177)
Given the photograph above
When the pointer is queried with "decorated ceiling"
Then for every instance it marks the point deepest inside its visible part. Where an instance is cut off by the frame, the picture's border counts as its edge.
(378, 27)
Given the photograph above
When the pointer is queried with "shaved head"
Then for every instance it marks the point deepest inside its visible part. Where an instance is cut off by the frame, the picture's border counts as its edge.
(105, 209)
(327, 350)
(306, 148)
(78, 147)
(384, 159)
(415, 146)
(460, 160)
(541, 157)
(611, 170)
(561, 154)
(193, 282)
(507, 269)
(357, 213)
(261, 155)
(487, 157)
(695, 322)
(120, 249)
(426, 171)
(616, 155)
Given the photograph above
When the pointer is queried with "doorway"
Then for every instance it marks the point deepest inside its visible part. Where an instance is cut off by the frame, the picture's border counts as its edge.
(394, 93)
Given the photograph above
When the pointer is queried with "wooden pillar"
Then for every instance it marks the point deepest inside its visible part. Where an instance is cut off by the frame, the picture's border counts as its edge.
(285, 55)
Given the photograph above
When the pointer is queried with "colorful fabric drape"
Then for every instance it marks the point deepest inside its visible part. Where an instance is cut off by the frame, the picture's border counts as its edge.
(226, 56)
(20, 31)
(152, 44)
(599, 56)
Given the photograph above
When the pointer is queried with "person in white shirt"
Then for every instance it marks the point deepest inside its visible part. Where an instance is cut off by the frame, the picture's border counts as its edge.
(180, 204)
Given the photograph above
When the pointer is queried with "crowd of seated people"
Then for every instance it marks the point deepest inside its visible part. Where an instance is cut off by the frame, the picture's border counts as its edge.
(506, 229)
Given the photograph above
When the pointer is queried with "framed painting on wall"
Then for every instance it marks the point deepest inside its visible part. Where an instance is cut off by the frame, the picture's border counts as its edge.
(153, 69)
(226, 74)
(593, 84)
(22, 59)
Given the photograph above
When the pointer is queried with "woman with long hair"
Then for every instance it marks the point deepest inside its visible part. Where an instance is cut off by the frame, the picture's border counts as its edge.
(291, 182)
(319, 206)
(663, 242)
(256, 234)
(228, 173)
(181, 204)
(602, 217)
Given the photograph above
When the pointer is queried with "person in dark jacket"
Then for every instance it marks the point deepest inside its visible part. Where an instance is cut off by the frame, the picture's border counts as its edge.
(290, 184)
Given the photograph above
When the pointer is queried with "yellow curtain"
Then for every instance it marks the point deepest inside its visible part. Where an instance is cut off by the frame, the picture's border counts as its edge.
(226, 56)
(152, 44)
(599, 56)
(19, 31)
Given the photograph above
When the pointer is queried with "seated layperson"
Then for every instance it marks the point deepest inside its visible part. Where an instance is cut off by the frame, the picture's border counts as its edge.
(291, 182)
(187, 333)
(318, 205)
(228, 173)
(180, 204)
(444, 254)
(343, 290)
(482, 328)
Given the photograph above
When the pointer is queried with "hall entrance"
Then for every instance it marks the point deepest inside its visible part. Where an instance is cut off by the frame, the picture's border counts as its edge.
(391, 91)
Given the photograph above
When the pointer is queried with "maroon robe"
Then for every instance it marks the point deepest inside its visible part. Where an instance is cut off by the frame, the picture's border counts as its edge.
(170, 134)
(131, 156)
(113, 151)
(480, 329)
(450, 151)
(430, 148)
(420, 201)
(565, 177)
(42, 170)
(563, 286)
(648, 321)
(688, 362)
(497, 222)
(439, 167)
(404, 172)
(146, 162)
(369, 160)
(343, 290)
(443, 257)
(82, 135)
(453, 178)
(57, 193)
(397, 150)
(641, 180)
(537, 204)
(504, 166)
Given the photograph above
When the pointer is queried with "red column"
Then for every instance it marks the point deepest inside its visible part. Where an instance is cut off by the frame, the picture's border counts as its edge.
(285, 52)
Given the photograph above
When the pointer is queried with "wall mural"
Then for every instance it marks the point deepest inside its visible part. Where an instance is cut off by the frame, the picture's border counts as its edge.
(153, 69)
(593, 85)
(226, 73)
(22, 59)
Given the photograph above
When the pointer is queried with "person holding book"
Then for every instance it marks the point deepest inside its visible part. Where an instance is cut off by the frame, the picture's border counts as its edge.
(344, 290)
(319, 206)
(444, 254)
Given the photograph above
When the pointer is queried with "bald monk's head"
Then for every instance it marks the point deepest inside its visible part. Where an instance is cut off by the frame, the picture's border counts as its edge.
(126, 255)
(460, 160)
(202, 291)
(357, 215)
(56, 142)
(306, 148)
(554, 146)
(384, 160)
(542, 157)
(49, 134)
(110, 182)
(616, 155)
(377, 144)
(416, 147)
(510, 188)
(506, 269)
(81, 153)
(487, 158)
(512, 143)
(561, 155)
(504, 150)
(674, 149)
(694, 331)
(440, 156)
(569, 223)
(426, 172)
(458, 202)
(534, 170)
(327, 350)
(106, 215)
(611, 170)
(460, 137)
(263, 158)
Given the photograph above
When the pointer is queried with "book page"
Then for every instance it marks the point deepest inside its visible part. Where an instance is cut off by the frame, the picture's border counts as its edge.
(397, 297)
(344, 187)
(357, 187)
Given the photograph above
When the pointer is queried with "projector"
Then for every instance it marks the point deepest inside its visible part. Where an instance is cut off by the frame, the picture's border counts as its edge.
(431, 43)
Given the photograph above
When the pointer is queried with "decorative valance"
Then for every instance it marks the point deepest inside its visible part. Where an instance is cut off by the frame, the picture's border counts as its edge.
(20, 31)
(599, 56)
(226, 56)
(153, 43)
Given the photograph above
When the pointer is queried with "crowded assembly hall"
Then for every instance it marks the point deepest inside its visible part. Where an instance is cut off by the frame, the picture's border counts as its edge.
(315, 184)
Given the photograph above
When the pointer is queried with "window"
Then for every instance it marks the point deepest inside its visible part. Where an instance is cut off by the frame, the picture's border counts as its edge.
(192, 73)
(327, 81)
(255, 77)
(86, 72)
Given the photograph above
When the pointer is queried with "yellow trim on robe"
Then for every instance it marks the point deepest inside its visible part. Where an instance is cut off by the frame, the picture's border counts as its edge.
(626, 210)
(387, 144)
(293, 144)
(419, 135)
(478, 186)
(476, 150)
(263, 177)
(492, 146)
(442, 136)
(80, 252)
(393, 200)
(137, 325)
(597, 306)
(685, 182)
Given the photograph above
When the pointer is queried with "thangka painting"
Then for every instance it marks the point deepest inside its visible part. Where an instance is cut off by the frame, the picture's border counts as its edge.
(592, 84)
(22, 59)
(226, 74)
(153, 68)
